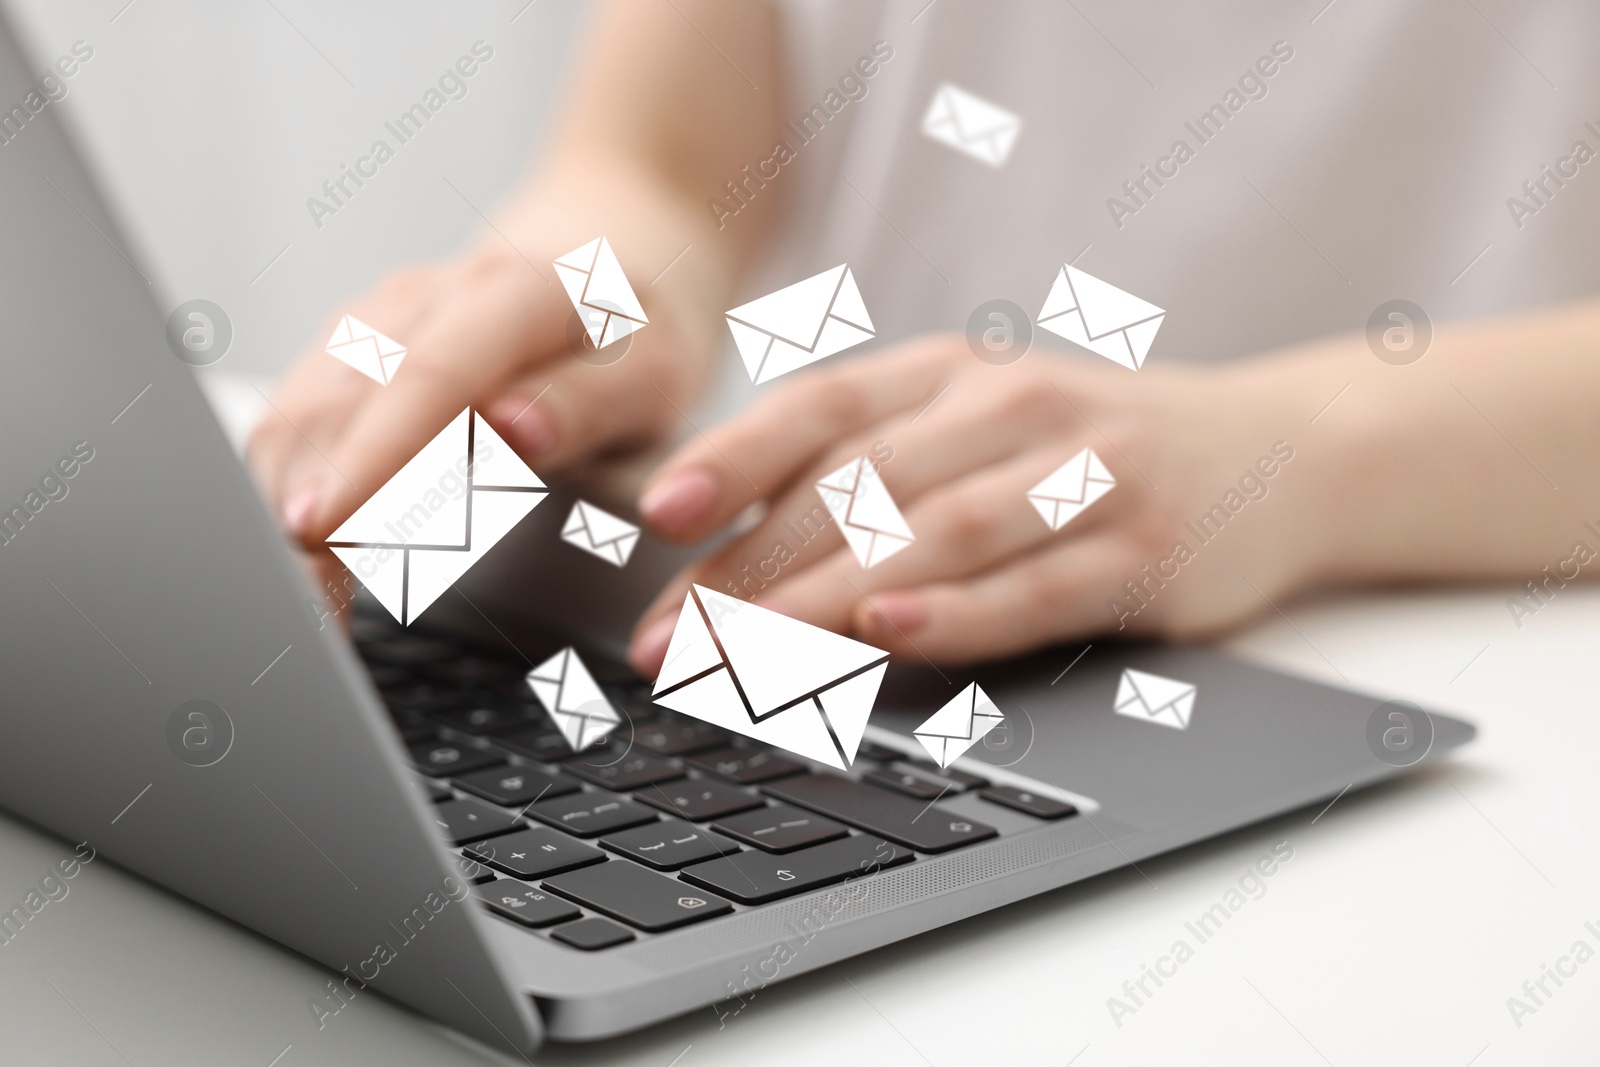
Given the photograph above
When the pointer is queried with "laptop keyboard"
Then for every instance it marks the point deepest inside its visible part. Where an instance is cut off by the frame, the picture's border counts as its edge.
(668, 823)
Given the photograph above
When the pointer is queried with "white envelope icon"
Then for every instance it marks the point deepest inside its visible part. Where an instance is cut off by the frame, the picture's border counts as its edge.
(972, 125)
(1101, 317)
(572, 699)
(871, 523)
(958, 725)
(426, 526)
(767, 676)
(1155, 699)
(600, 533)
(1073, 486)
(800, 324)
(600, 291)
(365, 349)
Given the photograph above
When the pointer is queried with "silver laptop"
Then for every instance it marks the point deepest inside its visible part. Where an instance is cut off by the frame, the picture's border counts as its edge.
(396, 805)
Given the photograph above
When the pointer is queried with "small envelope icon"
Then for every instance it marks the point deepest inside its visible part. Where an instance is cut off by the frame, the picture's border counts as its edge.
(958, 725)
(600, 533)
(972, 125)
(368, 351)
(440, 514)
(600, 291)
(867, 516)
(800, 324)
(1071, 488)
(1101, 317)
(1155, 699)
(572, 699)
(769, 677)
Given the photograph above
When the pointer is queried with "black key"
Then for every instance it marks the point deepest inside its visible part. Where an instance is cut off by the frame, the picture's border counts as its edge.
(698, 799)
(637, 896)
(468, 820)
(912, 823)
(517, 785)
(483, 716)
(422, 699)
(746, 766)
(1028, 803)
(438, 759)
(630, 772)
(591, 814)
(472, 670)
(523, 903)
(912, 785)
(471, 870)
(877, 753)
(366, 629)
(933, 772)
(757, 877)
(409, 651)
(668, 845)
(534, 853)
(414, 729)
(538, 742)
(780, 828)
(677, 738)
(591, 934)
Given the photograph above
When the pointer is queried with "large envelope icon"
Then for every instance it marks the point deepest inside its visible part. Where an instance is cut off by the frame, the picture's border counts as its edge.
(574, 702)
(800, 324)
(769, 677)
(1073, 486)
(1101, 317)
(1155, 699)
(600, 291)
(368, 351)
(600, 533)
(972, 125)
(426, 526)
(871, 523)
(958, 725)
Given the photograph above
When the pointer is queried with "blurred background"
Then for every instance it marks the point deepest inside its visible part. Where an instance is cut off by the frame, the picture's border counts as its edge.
(212, 124)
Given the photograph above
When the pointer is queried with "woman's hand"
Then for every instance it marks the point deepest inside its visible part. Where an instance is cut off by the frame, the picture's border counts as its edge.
(1202, 459)
(489, 331)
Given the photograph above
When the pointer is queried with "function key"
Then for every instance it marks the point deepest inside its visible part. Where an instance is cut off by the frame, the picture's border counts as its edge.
(678, 738)
(698, 799)
(466, 820)
(637, 896)
(779, 828)
(534, 853)
(746, 765)
(514, 786)
(668, 845)
(1028, 803)
(630, 772)
(522, 903)
(592, 934)
(439, 759)
(591, 814)
(912, 785)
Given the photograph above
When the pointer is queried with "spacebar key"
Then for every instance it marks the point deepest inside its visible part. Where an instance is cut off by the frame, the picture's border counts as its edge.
(903, 820)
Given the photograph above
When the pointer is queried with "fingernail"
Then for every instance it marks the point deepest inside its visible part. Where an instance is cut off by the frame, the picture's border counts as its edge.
(902, 612)
(526, 427)
(683, 499)
(650, 647)
(297, 511)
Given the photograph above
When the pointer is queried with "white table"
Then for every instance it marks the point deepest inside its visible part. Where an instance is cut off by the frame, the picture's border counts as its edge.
(1406, 918)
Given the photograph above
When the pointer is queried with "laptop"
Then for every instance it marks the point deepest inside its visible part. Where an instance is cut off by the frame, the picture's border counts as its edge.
(394, 802)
